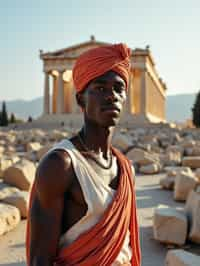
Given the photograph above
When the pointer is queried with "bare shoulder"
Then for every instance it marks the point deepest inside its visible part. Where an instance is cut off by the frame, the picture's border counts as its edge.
(53, 176)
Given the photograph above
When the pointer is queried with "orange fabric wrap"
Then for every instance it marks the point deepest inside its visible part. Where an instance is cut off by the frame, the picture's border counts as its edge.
(95, 62)
(101, 244)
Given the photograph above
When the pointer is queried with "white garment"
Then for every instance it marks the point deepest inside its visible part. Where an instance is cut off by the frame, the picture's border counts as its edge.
(97, 196)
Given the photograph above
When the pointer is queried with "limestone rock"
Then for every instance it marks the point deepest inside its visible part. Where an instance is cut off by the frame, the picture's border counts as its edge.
(121, 141)
(184, 183)
(198, 189)
(169, 225)
(167, 182)
(42, 151)
(4, 164)
(21, 174)
(197, 174)
(192, 209)
(33, 146)
(6, 190)
(177, 169)
(191, 161)
(149, 169)
(171, 158)
(9, 218)
(181, 258)
(19, 199)
(2, 149)
(188, 143)
(141, 157)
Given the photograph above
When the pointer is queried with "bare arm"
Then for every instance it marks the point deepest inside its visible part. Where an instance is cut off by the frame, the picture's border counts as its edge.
(52, 181)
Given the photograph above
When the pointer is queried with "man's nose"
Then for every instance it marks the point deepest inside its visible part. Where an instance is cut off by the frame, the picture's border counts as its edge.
(112, 95)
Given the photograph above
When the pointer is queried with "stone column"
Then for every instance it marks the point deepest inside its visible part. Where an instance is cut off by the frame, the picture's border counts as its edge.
(143, 99)
(54, 94)
(60, 96)
(46, 94)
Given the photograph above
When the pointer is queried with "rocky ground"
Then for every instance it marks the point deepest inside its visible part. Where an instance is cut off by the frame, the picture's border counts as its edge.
(149, 195)
(167, 164)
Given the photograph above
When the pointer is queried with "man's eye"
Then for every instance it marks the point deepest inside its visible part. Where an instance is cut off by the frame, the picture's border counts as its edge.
(102, 89)
(119, 89)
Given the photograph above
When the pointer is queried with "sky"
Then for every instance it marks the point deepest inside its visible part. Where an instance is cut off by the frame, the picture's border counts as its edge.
(171, 28)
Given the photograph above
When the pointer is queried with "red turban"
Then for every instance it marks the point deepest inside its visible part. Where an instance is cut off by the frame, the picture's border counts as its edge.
(95, 62)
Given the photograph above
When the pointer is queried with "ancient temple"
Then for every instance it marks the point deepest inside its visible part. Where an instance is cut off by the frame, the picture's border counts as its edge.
(146, 94)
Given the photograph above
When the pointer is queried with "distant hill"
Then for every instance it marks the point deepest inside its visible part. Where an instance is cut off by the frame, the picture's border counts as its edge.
(24, 108)
(178, 107)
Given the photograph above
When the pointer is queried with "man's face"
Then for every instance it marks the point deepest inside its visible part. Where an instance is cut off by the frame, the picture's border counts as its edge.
(104, 98)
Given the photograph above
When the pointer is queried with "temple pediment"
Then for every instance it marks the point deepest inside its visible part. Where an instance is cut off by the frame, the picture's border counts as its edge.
(74, 51)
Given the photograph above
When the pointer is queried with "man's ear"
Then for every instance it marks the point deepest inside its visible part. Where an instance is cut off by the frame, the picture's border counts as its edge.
(80, 98)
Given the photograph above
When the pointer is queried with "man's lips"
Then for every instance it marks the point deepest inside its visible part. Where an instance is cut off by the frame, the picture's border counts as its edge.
(111, 108)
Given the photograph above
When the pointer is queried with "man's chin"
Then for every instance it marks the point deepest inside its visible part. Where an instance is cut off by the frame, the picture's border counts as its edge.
(112, 122)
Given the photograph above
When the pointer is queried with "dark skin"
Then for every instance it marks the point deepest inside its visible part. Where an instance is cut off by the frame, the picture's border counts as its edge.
(59, 202)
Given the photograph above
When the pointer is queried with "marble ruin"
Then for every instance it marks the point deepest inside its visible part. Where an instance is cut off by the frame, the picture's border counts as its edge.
(147, 92)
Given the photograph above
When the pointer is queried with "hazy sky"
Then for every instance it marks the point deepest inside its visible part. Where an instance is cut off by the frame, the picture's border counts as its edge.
(171, 28)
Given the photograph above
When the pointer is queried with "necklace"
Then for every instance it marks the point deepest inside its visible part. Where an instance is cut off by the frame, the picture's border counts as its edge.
(91, 154)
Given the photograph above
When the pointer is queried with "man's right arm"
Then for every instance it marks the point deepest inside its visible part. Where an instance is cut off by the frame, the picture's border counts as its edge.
(52, 181)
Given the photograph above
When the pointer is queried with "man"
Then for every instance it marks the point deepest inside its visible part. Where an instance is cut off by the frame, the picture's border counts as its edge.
(82, 207)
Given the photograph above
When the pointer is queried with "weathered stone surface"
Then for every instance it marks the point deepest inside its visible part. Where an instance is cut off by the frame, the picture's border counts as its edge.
(181, 258)
(167, 182)
(122, 141)
(2, 149)
(171, 158)
(177, 169)
(184, 183)
(19, 199)
(4, 164)
(191, 161)
(9, 218)
(169, 225)
(192, 209)
(20, 174)
(41, 152)
(56, 135)
(14, 158)
(197, 174)
(142, 157)
(33, 146)
(198, 189)
(188, 143)
(149, 169)
(194, 151)
(6, 190)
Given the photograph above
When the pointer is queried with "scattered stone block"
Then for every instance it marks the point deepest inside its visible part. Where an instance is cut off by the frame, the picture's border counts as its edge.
(177, 169)
(184, 183)
(2, 149)
(197, 174)
(20, 175)
(167, 182)
(192, 208)
(149, 169)
(169, 225)
(19, 199)
(191, 161)
(4, 164)
(6, 190)
(9, 218)
(41, 152)
(141, 157)
(181, 257)
(122, 141)
(33, 146)
(198, 189)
